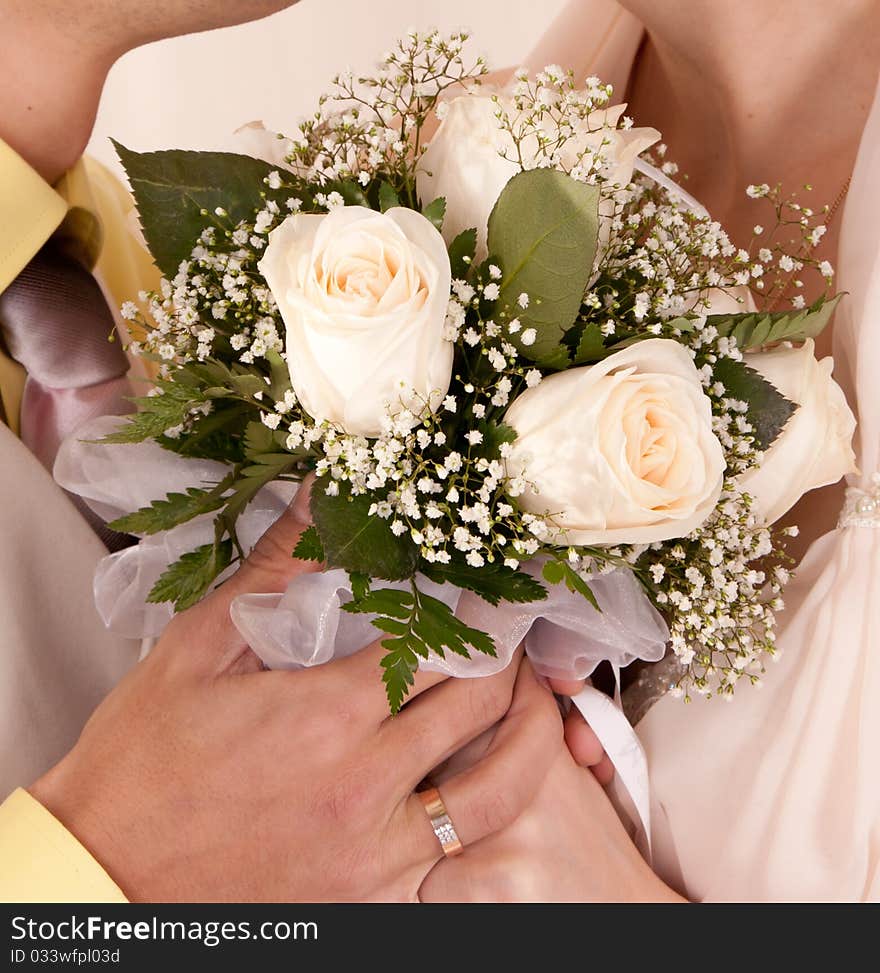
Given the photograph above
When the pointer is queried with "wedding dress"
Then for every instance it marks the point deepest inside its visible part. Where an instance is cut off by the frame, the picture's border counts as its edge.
(776, 795)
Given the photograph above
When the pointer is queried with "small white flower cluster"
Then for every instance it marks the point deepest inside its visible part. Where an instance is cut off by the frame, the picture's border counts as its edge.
(788, 260)
(372, 125)
(721, 589)
(558, 124)
(438, 474)
(219, 284)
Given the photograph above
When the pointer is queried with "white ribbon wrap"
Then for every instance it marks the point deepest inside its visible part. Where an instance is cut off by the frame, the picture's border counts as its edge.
(565, 637)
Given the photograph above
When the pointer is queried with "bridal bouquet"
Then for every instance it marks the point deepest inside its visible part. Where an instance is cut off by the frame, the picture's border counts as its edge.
(524, 367)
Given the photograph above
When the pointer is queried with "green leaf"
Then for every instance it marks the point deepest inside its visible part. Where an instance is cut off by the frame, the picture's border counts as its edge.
(351, 193)
(360, 585)
(768, 410)
(309, 547)
(355, 540)
(188, 579)
(217, 436)
(176, 508)
(279, 375)
(172, 188)
(421, 624)
(492, 582)
(441, 631)
(258, 439)
(435, 212)
(399, 666)
(591, 346)
(388, 197)
(142, 426)
(543, 231)
(495, 435)
(158, 413)
(382, 601)
(557, 572)
(267, 462)
(752, 331)
(461, 253)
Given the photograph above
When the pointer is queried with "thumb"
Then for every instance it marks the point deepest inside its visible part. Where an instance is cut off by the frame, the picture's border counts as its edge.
(271, 565)
(206, 628)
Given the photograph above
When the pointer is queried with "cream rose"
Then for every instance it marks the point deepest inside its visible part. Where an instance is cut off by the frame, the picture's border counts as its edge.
(363, 296)
(815, 447)
(469, 161)
(621, 452)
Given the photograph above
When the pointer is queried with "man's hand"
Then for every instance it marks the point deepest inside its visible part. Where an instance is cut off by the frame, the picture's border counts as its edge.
(203, 777)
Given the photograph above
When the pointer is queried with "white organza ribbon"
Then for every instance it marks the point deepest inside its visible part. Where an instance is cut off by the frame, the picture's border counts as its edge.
(564, 636)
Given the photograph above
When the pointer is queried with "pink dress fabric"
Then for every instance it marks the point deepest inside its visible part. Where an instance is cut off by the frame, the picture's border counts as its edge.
(776, 795)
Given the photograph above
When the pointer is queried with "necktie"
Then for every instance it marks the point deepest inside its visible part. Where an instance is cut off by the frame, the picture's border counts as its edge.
(58, 325)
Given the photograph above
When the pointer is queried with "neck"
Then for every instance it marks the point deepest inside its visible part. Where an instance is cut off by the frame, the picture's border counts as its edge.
(50, 86)
(757, 91)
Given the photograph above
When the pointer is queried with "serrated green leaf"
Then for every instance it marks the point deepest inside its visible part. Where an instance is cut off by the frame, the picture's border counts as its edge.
(543, 231)
(382, 601)
(752, 330)
(575, 583)
(171, 188)
(258, 439)
(591, 346)
(279, 375)
(436, 211)
(495, 435)
(360, 585)
(440, 630)
(492, 582)
(355, 540)
(768, 410)
(248, 385)
(176, 508)
(188, 579)
(217, 436)
(391, 625)
(142, 426)
(558, 572)
(399, 666)
(388, 197)
(419, 625)
(684, 325)
(461, 253)
(351, 193)
(267, 462)
(309, 547)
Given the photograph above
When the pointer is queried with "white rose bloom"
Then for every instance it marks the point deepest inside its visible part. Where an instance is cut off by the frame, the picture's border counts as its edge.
(621, 452)
(469, 161)
(815, 447)
(363, 296)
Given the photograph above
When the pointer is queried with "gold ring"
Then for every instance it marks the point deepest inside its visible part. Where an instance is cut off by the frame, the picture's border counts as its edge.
(441, 822)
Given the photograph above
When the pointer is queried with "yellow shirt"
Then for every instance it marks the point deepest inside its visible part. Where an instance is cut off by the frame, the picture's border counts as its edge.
(40, 860)
(94, 214)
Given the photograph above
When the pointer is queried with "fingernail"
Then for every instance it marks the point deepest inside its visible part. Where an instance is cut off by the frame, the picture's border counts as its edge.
(299, 506)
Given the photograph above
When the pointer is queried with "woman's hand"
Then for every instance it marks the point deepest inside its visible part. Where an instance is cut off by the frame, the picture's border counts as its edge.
(203, 778)
(568, 845)
(582, 742)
